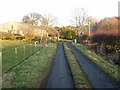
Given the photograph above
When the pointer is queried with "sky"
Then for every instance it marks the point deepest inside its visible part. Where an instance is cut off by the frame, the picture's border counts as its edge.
(14, 10)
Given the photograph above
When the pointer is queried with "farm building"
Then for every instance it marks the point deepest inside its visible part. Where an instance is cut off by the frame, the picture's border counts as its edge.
(22, 29)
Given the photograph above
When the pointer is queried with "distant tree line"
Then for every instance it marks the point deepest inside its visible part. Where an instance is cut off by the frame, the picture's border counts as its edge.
(67, 33)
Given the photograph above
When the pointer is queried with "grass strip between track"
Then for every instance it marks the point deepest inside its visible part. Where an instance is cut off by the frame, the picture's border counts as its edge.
(79, 77)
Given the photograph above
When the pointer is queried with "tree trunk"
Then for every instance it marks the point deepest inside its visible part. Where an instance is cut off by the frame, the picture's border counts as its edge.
(103, 48)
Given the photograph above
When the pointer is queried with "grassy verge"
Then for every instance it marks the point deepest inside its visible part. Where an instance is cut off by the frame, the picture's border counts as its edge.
(109, 68)
(32, 71)
(78, 75)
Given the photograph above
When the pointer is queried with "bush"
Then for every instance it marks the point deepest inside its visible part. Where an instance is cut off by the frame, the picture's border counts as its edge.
(68, 34)
(112, 42)
(8, 36)
(83, 38)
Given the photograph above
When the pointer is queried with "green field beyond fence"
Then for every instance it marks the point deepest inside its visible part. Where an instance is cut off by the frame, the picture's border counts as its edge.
(14, 53)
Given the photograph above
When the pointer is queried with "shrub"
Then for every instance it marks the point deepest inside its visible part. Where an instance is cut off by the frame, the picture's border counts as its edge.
(8, 36)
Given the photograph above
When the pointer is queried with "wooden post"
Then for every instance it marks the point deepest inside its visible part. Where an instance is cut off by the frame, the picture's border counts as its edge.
(24, 52)
(35, 46)
(75, 40)
(30, 50)
(15, 53)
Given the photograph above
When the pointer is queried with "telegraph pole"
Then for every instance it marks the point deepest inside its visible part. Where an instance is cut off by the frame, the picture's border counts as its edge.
(89, 27)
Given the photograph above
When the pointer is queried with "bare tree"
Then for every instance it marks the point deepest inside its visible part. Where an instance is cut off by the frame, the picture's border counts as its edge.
(26, 19)
(32, 18)
(79, 19)
(35, 19)
(90, 21)
(47, 21)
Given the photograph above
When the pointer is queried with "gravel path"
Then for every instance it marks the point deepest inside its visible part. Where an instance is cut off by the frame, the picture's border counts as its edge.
(60, 76)
(95, 75)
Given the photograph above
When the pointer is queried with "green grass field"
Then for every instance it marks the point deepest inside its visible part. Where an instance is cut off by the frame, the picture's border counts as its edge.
(14, 53)
(109, 68)
(29, 66)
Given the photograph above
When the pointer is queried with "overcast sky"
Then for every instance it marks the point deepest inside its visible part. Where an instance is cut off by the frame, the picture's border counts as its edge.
(14, 10)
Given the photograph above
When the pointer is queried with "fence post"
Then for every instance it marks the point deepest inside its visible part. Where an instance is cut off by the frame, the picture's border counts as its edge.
(39, 45)
(35, 46)
(30, 49)
(24, 52)
(15, 53)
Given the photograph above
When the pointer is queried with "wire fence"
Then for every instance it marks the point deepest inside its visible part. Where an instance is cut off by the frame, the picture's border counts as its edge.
(14, 55)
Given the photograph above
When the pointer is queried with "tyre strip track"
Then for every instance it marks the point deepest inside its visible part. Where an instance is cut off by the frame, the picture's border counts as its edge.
(60, 75)
(96, 76)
